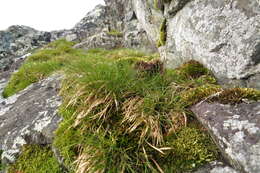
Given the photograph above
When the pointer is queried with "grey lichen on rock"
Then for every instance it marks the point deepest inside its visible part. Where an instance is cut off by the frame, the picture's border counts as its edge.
(29, 117)
(222, 35)
(236, 129)
(175, 6)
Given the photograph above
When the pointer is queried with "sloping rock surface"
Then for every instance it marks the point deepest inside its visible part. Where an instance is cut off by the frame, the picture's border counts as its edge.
(236, 129)
(29, 117)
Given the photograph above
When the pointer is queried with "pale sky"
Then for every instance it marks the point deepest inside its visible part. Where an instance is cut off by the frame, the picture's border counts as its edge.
(44, 15)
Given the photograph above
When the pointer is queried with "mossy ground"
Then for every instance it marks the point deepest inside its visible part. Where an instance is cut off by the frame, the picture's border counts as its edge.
(35, 158)
(120, 116)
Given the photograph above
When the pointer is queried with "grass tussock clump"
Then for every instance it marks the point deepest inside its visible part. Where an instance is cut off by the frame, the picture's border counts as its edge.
(35, 158)
(122, 111)
(122, 114)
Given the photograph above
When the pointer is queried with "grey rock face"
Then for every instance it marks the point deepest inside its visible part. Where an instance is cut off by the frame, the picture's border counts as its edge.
(17, 41)
(94, 22)
(216, 167)
(29, 117)
(236, 129)
(222, 35)
(101, 40)
(122, 17)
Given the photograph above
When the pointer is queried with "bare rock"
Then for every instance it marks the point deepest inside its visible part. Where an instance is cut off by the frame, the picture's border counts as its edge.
(29, 117)
(101, 40)
(216, 167)
(223, 35)
(236, 130)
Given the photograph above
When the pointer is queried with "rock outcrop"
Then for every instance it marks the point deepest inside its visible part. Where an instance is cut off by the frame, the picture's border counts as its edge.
(236, 129)
(95, 29)
(17, 41)
(29, 117)
(222, 35)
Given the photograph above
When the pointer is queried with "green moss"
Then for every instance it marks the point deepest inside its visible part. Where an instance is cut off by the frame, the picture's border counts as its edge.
(195, 95)
(193, 69)
(115, 33)
(191, 149)
(235, 95)
(163, 34)
(36, 158)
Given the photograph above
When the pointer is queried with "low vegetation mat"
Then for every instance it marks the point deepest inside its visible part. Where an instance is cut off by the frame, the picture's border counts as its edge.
(123, 112)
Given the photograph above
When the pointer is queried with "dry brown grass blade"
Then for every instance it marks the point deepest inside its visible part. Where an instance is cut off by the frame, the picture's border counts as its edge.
(73, 100)
(157, 149)
(85, 113)
(85, 164)
(147, 159)
(158, 166)
(105, 111)
(130, 108)
(149, 124)
(185, 118)
(179, 120)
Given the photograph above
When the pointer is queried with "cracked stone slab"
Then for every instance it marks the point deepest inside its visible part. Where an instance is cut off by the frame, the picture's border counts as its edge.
(29, 117)
(236, 130)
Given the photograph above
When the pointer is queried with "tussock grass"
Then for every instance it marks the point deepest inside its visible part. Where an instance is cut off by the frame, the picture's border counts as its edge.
(118, 118)
(122, 112)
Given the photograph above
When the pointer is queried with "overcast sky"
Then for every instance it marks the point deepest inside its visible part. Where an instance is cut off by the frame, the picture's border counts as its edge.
(45, 15)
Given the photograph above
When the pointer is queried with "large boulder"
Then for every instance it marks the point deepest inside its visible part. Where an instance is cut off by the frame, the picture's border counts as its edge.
(236, 130)
(29, 117)
(122, 17)
(222, 35)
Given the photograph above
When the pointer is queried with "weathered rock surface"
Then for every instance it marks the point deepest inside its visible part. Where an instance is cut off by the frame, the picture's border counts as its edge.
(17, 41)
(216, 167)
(223, 35)
(101, 40)
(122, 17)
(116, 16)
(236, 130)
(29, 117)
